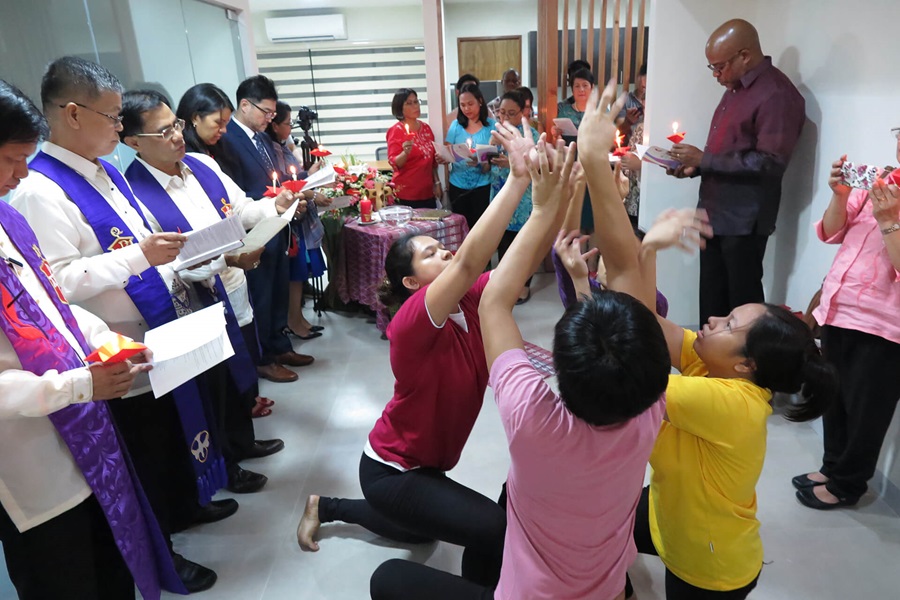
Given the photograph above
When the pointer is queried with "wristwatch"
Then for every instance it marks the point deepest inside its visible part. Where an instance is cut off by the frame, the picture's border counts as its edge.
(891, 229)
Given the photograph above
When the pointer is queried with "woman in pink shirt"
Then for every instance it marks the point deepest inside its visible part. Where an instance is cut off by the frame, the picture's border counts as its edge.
(437, 357)
(860, 317)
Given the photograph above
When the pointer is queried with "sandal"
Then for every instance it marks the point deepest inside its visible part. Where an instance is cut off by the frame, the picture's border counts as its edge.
(265, 402)
(259, 411)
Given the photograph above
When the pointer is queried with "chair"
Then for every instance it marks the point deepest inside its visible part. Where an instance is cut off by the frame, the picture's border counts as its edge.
(381, 153)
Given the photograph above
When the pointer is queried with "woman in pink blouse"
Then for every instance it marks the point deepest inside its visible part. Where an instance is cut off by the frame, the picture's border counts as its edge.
(411, 153)
(860, 318)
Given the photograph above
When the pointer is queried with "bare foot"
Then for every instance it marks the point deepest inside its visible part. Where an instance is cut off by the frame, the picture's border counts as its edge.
(309, 525)
(824, 495)
(817, 477)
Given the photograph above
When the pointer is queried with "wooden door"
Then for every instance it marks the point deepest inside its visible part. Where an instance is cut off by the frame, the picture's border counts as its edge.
(488, 57)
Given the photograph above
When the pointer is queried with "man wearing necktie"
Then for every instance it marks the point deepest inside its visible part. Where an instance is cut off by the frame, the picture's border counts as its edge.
(254, 154)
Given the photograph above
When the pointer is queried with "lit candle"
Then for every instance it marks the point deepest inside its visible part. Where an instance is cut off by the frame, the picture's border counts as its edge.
(274, 180)
(620, 149)
(294, 172)
(407, 128)
(619, 138)
(469, 144)
(676, 137)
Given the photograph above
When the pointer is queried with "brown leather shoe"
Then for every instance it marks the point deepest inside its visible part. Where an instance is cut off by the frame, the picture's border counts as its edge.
(276, 373)
(294, 360)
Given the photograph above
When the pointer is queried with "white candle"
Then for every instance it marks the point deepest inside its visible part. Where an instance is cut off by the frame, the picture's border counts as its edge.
(674, 126)
(274, 180)
(294, 172)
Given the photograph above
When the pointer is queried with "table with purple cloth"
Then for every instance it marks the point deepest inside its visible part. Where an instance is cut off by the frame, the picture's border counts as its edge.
(364, 249)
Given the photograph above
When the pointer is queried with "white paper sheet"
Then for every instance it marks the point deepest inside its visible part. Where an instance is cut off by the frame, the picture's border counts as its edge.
(660, 156)
(323, 176)
(186, 347)
(209, 242)
(336, 203)
(485, 152)
(566, 127)
(268, 228)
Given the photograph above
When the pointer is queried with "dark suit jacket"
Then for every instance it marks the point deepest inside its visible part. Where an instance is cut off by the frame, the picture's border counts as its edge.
(252, 174)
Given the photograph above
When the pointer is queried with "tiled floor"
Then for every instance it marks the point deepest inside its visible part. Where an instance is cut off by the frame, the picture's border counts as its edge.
(324, 419)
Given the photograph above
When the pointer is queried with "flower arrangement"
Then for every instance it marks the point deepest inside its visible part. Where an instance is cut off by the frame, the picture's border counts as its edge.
(358, 180)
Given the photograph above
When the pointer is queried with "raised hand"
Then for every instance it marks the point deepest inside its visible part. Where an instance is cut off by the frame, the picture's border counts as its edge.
(517, 146)
(684, 229)
(836, 179)
(597, 132)
(568, 248)
(162, 248)
(550, 172)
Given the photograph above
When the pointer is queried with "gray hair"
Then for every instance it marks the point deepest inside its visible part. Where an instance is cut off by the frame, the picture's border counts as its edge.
(69, 76)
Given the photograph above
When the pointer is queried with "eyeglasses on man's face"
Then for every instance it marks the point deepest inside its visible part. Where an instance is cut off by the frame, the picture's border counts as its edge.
(166, 133)
(720, 66)
(116, 119)
(270, 114)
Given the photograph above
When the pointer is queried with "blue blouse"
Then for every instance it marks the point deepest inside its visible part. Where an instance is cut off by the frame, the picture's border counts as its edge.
(498, 178)
(462, 175)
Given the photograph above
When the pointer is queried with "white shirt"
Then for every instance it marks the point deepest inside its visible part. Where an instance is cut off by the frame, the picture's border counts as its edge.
(89, 276)
(39, 479)
(193, 202)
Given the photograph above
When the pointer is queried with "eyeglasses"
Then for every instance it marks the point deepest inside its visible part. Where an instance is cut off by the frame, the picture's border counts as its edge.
(415, 102)
(270, 114)
(717, 68)
(508, 114)
(896, 133)
(117, 119)
(168, 133)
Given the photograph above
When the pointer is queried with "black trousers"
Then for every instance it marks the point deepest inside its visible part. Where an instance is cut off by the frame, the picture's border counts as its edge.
(854, 428)
(399, 579)
(268, 284)
(423, 505)
(71, 556)
(470, 203)
(731, 270)
(677, 589)
(152, 433)
(505, 242)
(232, 413)
(426, 203)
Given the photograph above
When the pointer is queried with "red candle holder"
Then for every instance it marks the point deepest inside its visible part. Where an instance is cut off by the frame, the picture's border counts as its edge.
(319, 152)
(621, 151)
(676, 138)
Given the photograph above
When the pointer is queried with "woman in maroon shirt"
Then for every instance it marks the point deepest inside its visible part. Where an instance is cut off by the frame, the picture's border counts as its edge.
(411, 153)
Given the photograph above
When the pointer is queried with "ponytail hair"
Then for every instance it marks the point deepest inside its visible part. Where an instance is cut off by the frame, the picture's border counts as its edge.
(787, 360)
(397, 265)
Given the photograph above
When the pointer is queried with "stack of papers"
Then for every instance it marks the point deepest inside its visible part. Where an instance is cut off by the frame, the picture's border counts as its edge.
(657, 156)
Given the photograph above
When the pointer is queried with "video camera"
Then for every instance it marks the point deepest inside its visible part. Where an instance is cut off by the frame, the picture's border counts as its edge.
(304, 119)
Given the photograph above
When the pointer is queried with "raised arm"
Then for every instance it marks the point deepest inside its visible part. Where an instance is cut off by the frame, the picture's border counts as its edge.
(549, 195)
(444, 294)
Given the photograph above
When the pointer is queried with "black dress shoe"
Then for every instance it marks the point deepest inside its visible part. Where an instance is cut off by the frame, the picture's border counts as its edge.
(316, 328)
(216, 511)
(807, 497)
(196, 578)
(242, 481)
(803, 481)
(262, 448)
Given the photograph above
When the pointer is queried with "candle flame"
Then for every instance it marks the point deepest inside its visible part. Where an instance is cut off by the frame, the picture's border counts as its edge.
(674, 126)
(619, 138)
(407, 128)
(274, 175)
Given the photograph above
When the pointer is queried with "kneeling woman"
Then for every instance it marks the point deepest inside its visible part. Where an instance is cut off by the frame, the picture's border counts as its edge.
(438, 361)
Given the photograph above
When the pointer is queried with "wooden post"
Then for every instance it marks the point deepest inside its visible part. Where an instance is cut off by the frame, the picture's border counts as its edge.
(564, 53)
(617, 12)
(590, 34)
(601, 69)
(626, 75)
(548, 61)
(578, 31)
(639, 60)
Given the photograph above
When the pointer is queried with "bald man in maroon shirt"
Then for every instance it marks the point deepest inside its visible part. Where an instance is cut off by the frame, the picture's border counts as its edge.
(752, 135)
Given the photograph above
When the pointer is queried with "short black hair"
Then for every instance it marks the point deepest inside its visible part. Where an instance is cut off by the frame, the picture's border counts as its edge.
(516, 96)
(20, 120)
(577, 65)
(526, 93)
(70, 76)
(256, 88)
(611, 358)
(643, 70)
(134, 105)
(397, 265)
(473, 89)
(585, 74)
(400, 96)
(464, 79)
(200, 100)
(282, 110)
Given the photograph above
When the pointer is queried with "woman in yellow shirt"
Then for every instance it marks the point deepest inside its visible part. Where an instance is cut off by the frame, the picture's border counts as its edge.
(699, 513)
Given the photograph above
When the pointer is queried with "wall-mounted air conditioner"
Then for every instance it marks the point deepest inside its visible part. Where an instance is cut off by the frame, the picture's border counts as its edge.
(312, 28)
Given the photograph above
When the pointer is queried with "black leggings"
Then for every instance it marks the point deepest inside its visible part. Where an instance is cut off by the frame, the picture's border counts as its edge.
(399, 579)
(677, 589)
(423, 505)
(470, 203)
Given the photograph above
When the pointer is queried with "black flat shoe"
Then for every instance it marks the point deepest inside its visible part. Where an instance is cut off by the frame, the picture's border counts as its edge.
(263, 448)
(291, 333)
(196, 578)
(803, 481)
(242, 481)
(316, 328)
(808, 498)
(522, 301)
(216, 511)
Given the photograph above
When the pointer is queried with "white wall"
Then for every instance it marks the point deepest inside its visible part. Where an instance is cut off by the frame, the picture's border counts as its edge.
(851, 104)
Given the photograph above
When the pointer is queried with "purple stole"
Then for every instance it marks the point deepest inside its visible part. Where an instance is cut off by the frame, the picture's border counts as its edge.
(170, 218)
(87, 429)
(154, 301)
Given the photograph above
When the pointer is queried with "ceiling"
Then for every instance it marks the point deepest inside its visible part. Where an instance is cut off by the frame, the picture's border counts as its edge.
(267, 5)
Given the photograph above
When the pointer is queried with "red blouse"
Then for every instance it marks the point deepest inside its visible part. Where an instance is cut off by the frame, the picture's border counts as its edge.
(415, 179)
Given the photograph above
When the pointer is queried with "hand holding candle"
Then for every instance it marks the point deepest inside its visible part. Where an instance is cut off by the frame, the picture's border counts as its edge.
(676, 137)
(620, 149)
(117, 350)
